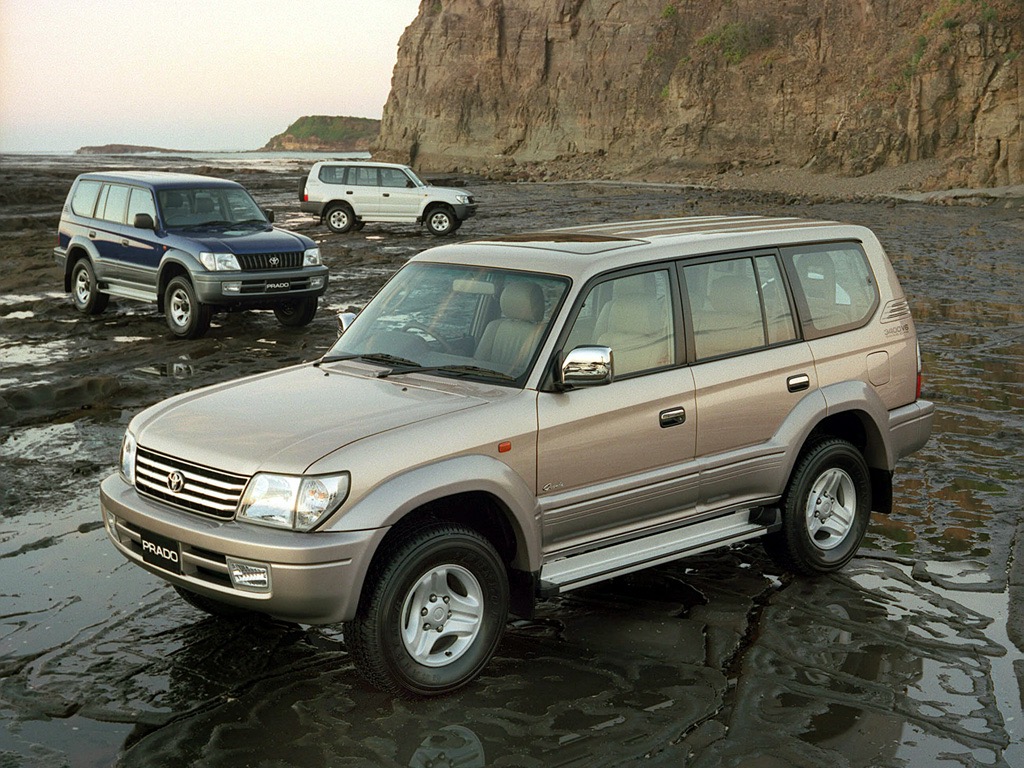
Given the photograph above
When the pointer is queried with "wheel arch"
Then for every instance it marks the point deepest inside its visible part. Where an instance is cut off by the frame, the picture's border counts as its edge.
(335, 203)
(171, 268)
(75, 252)
(478, 492)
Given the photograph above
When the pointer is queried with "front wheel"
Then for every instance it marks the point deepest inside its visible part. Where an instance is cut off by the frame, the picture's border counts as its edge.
(186, 316)
(441, 220)
(825, 510)
(85, 291)
(296, 313)
(433, 613)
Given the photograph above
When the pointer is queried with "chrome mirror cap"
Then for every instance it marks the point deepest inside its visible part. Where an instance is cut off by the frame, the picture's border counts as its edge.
(587, 367)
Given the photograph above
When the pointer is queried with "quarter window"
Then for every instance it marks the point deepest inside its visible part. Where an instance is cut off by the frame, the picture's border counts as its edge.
(633, 316)
(836, 289)
(333, 174)
(84, 200)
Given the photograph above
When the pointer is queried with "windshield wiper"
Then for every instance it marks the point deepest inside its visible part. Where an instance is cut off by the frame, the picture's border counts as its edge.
(455, 370)
(373, 357)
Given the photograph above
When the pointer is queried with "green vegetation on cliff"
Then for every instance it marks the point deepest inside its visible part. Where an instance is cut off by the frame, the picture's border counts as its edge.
(328, 133)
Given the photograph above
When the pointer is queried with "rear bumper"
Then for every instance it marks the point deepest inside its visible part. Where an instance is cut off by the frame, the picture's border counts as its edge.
(909, 428)
(317, 209)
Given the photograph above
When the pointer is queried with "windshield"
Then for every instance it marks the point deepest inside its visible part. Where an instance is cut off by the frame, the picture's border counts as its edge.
(205, 206)
(479, 323)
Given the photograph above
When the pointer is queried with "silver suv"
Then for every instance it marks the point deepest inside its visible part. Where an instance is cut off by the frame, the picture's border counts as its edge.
(510, 419)
(347, 194)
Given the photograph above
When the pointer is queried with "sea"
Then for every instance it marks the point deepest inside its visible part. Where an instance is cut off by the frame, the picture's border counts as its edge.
(269, 161)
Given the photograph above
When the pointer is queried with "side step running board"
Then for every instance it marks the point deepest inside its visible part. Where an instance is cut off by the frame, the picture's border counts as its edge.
(597, 565)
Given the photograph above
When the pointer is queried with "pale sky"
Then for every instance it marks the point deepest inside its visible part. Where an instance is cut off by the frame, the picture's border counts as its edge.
(189, 74)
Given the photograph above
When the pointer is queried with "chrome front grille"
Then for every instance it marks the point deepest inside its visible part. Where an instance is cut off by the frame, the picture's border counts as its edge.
(254, 261)
(188, 486)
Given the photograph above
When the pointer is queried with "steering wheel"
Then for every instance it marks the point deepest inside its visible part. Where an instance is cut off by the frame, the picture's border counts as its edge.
(430, 334)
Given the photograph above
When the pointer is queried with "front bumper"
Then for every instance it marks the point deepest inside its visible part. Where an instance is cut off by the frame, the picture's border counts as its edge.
(463, 212)
(315, 578)
(260, 287)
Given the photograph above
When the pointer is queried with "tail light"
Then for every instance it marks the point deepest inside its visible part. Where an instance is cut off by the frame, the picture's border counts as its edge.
(918, 395)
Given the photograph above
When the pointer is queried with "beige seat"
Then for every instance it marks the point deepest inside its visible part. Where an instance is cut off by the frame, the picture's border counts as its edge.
(730, 321)
(508, 342)
(635, 324)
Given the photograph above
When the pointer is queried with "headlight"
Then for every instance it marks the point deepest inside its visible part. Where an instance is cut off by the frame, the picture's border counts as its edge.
(311, 257)
(219, 261)
(290, 501)
(128, 458)
(462, 199)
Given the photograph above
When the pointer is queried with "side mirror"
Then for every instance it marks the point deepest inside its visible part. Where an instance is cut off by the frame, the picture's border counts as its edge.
(269, 213)
(587, 367)
(409, 184)
(143, 221)
(344, 321)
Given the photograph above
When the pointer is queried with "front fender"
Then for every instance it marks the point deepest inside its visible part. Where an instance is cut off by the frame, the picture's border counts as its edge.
(394, 499)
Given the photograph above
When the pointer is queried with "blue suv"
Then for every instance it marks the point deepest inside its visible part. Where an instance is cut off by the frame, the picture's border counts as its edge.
(193, 244)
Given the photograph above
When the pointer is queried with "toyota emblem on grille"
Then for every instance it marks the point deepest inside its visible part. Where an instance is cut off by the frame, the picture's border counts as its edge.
(275, 261)
(175, 481)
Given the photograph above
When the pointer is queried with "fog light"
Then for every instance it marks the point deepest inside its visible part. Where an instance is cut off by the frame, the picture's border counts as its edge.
(111, 521)
(232, 287)
(316, 282)
(249, 576)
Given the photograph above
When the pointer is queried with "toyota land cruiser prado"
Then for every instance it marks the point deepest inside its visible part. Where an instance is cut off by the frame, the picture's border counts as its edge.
(509, 419)
(347, 194)
(192, 244)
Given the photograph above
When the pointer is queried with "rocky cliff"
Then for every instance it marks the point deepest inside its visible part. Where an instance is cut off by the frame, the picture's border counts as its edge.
(845, 86)
(326, 133)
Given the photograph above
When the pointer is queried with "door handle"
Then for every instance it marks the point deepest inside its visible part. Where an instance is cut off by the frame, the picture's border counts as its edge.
(385, 194)
(672, 417)
(798, 383)
(348, 191)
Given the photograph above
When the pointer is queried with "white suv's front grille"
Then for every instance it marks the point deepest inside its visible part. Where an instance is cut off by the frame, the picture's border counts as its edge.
(188, 486)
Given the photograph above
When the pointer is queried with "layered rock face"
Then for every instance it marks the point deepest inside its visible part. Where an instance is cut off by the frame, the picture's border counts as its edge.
(847, 86)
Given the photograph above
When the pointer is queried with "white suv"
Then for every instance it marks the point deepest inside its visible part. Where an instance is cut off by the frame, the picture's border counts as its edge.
(347, 194)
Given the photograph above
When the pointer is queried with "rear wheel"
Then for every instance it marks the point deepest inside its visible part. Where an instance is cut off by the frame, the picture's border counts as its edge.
(825, 510)
(186, 316)
(339, 218)
(296, 313)
(433, 613)
(85, 291)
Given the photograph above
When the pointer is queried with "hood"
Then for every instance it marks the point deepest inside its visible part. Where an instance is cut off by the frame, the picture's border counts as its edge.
(286, 420)
(244, 240)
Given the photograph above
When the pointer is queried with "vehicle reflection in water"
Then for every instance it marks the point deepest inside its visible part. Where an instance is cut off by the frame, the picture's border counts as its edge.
(673, 665)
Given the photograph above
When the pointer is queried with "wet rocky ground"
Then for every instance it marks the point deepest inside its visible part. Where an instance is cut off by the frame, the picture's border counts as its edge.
(912, 656)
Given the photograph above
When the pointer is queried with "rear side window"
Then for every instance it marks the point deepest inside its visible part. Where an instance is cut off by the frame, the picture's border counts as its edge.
(835, 288)
(737, 305)
(84, 200)
(363, 177)
(112, 206)
(333, 174)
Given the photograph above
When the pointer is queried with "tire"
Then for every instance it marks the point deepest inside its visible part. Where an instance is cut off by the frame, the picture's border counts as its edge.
(213, 607)
(339, 218)
(85, 292)
(432, 613)
(296, 313)
(186, 317)
(441, 220)
(825, 510)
